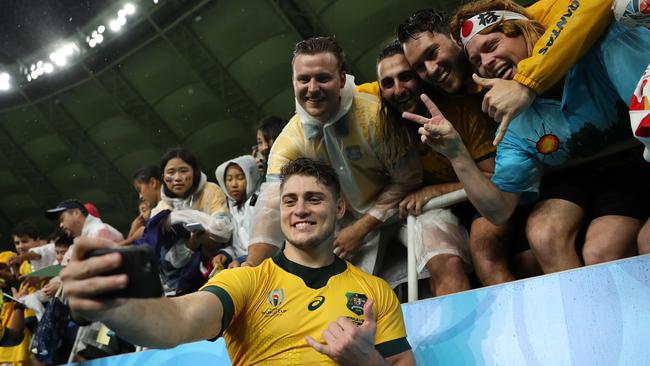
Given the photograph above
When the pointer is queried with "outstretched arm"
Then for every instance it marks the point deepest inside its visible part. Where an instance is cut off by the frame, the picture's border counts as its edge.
(160, 323)
(439, 134)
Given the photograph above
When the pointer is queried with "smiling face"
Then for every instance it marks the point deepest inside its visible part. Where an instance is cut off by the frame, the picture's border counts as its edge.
(399, 85)
(236, 183)
(438, 60)
(309, 211)
(495, 55)
(178, 176)
(317, 83)
(24, 243)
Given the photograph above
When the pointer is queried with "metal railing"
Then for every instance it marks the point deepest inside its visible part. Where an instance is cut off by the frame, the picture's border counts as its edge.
(443, 201)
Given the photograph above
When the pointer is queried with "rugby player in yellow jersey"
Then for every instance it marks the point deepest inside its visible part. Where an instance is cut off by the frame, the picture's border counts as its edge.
(303, 306)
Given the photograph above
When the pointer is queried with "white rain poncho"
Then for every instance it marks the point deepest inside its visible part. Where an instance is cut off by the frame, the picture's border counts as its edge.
(206, 206)
(438, 231)
(241, 215)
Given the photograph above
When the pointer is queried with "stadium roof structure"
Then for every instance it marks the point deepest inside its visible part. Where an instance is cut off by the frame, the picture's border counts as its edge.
(91, 90)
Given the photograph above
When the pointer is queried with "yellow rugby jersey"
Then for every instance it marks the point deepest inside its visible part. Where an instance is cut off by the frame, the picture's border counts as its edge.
(269, 309)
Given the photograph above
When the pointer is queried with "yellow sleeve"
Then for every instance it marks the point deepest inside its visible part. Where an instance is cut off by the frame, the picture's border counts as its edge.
(287, 147)
(572, 27)
(369, 88)
(390, 337)
(25, 268)
(233, 287)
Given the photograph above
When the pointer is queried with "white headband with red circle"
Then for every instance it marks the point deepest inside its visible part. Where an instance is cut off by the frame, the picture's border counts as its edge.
(472, 26)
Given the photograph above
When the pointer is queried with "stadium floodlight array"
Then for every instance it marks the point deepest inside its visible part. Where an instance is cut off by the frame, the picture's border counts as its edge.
(62, 56)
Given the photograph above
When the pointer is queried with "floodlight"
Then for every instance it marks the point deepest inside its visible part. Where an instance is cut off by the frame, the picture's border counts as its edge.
(4, 85)
(68, 49)
(121, 21)
(121, 13)
(39, 63)
(48, 67)
(101, 29)
(92, 43)
(4, 76)
(29, 78)
(34, 75)
(129, 8)
(99, 39)
(32, 68)
(115, 26)
(155, 1)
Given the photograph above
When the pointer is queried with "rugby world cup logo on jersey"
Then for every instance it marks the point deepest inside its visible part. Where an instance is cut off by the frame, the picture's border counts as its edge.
(276, 297)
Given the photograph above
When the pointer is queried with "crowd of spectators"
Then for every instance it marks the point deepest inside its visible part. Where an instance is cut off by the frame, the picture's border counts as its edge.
(490, 100)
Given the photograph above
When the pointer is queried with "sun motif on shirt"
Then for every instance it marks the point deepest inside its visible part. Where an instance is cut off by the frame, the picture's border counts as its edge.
(547, 142)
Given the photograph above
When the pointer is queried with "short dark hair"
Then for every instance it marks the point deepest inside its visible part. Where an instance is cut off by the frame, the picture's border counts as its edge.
(423, 20)
(391, 49)
(63, 240)
(187, 156)
(26, 228)
(271, 126)
(316, 45)
(323, 172)
(147, 172)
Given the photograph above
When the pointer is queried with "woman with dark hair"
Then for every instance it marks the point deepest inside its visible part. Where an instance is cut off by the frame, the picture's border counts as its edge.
(147, 181)
(267, 132)
(187, 198)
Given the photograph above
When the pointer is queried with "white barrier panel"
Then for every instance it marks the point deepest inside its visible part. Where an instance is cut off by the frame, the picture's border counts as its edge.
(599, 315)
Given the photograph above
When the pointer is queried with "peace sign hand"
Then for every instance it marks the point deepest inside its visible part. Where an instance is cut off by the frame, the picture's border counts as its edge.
(436, 131)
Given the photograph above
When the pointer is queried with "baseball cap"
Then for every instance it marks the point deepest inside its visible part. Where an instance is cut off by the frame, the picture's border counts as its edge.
(53, 214)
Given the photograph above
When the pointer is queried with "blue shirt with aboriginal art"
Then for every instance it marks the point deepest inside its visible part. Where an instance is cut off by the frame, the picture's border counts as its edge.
(590, 116)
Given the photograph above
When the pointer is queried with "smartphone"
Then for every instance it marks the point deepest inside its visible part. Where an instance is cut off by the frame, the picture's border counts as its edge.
(194, 227)
(12, 298)
(140, 263)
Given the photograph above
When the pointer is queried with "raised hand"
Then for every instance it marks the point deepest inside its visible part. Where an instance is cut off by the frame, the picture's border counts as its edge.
(436, 131)
(505, 100)
(348, 344)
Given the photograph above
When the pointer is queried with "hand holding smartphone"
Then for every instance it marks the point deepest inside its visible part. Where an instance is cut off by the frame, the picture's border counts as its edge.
(195, 227)
(140, 264)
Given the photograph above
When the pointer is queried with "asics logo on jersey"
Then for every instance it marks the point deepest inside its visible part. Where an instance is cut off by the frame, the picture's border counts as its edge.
(316, 303)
